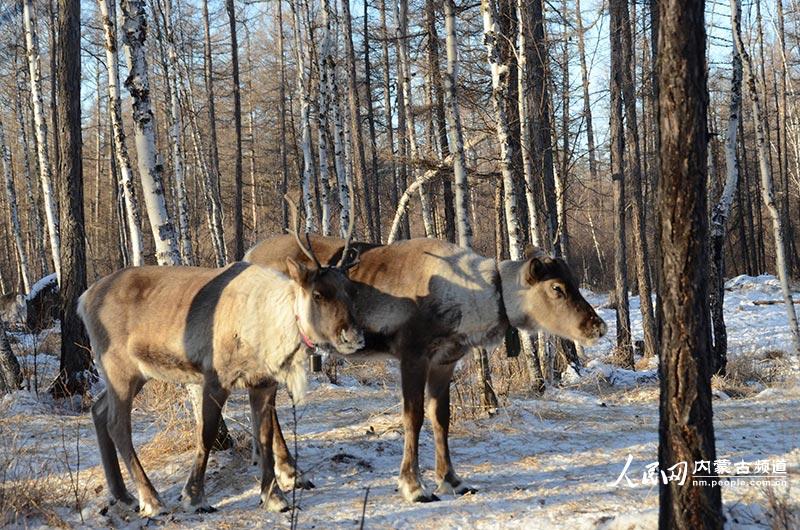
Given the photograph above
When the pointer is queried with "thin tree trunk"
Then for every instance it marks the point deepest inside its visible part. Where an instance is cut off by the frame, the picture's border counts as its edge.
(238, 215)
(587, 103)
(10, 370)
(76, 371)
(323, 108)
(11, 197)
(217, 227)
(500, 80)
(251, 133)
(767, 190)
(387, 108)
(356, 129)
(435, 77)
(284, 183)
(108, 14)
(42, 146)
(624, 350)
(686, 428)
(404, 73)
(150, 171)
(523, 79)
(720, 213)
(634, 157)
(375, 180)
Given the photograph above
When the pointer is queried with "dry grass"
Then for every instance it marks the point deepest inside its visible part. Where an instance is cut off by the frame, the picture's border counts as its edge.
(782, 510)
(748, 373)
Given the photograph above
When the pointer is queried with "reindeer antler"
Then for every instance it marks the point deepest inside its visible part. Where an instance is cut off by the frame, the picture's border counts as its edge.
(350, 226)
(295, 231)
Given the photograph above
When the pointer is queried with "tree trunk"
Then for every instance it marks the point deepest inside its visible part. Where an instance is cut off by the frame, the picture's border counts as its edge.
(624, 350)
(634, 165)
(587, 103)
(108, 14)
(438, 97)
(686, 428)
(387, 108)
(720, 213)
(11, 197)
(238, 215)
(42, 146)
(356, 129)
(284, 187)
(323, 108)
(10, 371)
(767, 190)
(404, 73)
(500, 80)
(150, 170)
(375, 180)
(217, 228)
(464, 228)
(76, 371)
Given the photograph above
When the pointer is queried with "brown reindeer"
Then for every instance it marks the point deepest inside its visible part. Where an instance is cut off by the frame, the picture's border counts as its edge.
(428, 302)
(241, 326)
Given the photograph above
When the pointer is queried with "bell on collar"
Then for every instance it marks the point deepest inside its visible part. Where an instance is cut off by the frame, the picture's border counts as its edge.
(316, 362)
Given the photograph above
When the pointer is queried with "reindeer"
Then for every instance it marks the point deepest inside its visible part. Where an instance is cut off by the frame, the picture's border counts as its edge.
(428, 302)
(243, 325)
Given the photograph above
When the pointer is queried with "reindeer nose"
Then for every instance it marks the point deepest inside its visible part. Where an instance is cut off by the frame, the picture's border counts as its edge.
(602, 328)
(352, 337)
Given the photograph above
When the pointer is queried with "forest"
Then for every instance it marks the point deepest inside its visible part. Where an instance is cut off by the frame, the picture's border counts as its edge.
(652, 147)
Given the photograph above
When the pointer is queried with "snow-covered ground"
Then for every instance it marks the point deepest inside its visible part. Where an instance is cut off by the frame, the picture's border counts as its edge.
(538, 463)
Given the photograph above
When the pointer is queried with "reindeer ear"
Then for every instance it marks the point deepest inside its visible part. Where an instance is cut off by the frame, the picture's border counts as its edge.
(297, 271)
(536, 270)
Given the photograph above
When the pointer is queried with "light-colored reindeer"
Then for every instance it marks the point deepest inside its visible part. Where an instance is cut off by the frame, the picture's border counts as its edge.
(241, 326)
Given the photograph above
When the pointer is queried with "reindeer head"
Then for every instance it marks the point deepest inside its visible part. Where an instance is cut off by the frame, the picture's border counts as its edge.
(541, 294)
(323, 305)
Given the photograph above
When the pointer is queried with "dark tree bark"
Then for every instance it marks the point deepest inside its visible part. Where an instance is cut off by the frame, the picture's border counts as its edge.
(238, 219)
(10, 372)
(686, 428)
(76, 370)
(435, 76)
(375, 180)
(624, 350)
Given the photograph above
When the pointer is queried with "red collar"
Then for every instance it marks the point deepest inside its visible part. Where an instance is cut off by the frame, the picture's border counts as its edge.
(307, 341)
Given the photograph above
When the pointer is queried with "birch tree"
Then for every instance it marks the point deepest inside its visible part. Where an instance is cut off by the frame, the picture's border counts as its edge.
(500, 80)
(108, 14)
(304, 91)
(404, 74)
(719, 215)
(40, 129)
(134, 28)
(238, 219)
(767, 187)
(11, 198)
(463, 226)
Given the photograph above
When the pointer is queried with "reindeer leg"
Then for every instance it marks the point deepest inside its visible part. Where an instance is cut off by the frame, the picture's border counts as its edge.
(439, 377)
(262, 404)
(108, 453)
(193, 495)
(285, 468)
(120, 392)
(413, 372)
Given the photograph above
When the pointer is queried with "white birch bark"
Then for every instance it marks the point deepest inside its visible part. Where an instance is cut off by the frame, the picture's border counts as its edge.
(301, 56)
(11, 198)
(36, 242)
(176, 81)
(404, 71)
(463, 226)
(767, 188)
(325, 52)
(40, 128)
(134, 30)
(500, 75)
(524, 120)
(343, 175)
(108, 14)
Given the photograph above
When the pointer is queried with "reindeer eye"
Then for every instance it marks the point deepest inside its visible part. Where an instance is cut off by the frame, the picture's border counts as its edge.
(317, 296)
(559, 291)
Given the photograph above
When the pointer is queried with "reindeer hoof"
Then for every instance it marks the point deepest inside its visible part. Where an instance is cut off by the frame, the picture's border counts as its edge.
(293, 480)
(425, 497)
(275, 502)
(205, 509)
(151, 509)
(445, 488)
